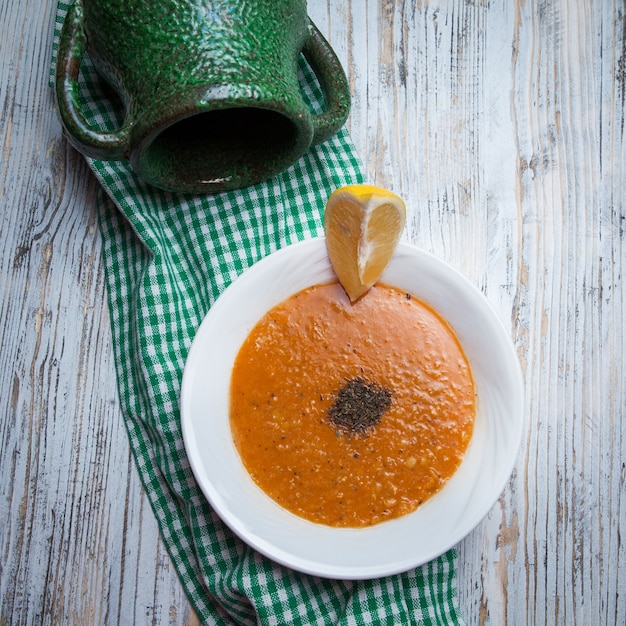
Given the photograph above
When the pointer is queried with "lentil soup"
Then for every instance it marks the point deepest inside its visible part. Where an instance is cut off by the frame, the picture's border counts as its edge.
(351, 414)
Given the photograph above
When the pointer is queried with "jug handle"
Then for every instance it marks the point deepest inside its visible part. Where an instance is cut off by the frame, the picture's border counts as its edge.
(333, 81)
(92, 143)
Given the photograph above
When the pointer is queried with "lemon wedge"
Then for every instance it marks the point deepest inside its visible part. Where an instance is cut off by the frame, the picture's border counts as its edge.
(363, 225)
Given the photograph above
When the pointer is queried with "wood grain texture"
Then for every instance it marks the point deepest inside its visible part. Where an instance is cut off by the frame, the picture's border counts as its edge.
(501, 123)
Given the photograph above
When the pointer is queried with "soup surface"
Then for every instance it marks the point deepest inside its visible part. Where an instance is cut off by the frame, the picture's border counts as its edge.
(351, 414)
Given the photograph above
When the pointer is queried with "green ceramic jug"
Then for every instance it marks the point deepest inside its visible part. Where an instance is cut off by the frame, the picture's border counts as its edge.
(210, 87)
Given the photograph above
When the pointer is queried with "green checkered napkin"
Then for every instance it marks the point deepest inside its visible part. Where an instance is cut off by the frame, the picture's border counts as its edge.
(167, 258)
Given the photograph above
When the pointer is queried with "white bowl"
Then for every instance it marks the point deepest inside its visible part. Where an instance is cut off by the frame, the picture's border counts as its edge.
(393, 546)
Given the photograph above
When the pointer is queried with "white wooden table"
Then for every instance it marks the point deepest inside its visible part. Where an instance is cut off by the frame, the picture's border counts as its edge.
(502, 124)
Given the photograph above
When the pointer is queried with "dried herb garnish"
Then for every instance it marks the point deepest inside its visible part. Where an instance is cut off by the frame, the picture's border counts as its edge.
(359, 406)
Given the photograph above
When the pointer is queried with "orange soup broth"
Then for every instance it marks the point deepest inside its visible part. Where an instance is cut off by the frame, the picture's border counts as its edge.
(288, 374)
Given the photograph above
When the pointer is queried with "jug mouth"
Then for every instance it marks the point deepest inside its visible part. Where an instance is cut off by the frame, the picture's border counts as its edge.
(220, 147)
